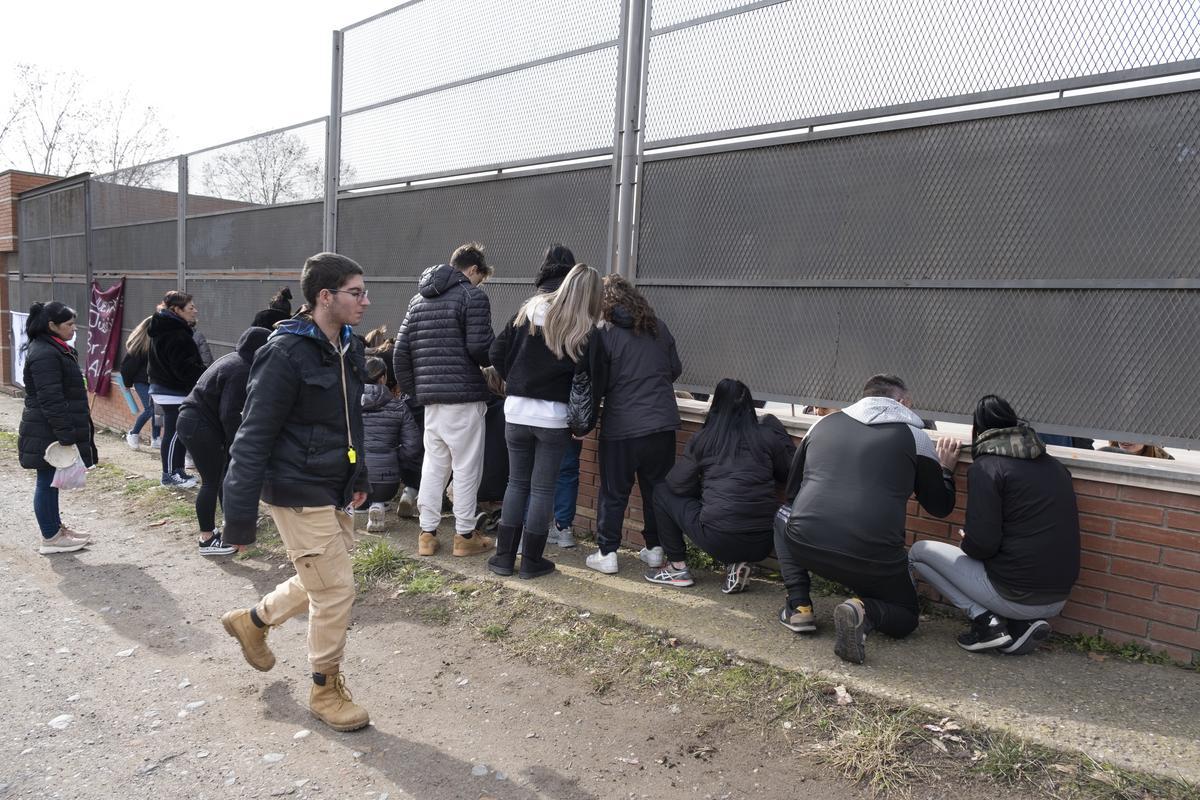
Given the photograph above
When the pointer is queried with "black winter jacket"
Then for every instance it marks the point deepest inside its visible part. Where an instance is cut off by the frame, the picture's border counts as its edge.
(739, 493)
(444, 340)
(392, 437)
(853, 474)
(528, 367)
(135, 368)
(175, 361)
(56, 405)
(268, 317)
(220, 394)
(1023, 524)
(292, 448)
(635, 375)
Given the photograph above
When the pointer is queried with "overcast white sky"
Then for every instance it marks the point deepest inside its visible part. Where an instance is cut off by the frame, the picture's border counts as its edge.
(216, 71)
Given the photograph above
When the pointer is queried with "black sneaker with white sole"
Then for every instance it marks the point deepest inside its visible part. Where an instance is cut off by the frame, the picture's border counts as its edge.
(987, 632)
(215, 547)
(1026, 636)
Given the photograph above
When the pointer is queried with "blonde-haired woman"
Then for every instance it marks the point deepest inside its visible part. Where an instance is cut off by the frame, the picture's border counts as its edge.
(537, 353)
(135, 372)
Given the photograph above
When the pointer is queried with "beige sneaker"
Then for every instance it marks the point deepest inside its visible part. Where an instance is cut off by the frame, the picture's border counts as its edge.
(427, 544)
(61, 542)
(87, 537)
(333, 704)
(478, 543)
(252, 638)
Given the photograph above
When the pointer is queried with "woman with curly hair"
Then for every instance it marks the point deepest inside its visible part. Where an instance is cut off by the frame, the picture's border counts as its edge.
(633, 365)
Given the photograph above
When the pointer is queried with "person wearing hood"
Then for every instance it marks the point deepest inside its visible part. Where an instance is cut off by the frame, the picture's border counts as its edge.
(392, 438)
(633, 365)
(848, 489)
(279, 309)
(208, 422)
(175, 366)
(441, 348)
(300, 450)
(1020, 549)
(56, 411)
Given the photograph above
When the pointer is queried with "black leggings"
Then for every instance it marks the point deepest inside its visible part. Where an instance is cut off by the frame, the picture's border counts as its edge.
(678, 515)
(172, 450)
(208, 452)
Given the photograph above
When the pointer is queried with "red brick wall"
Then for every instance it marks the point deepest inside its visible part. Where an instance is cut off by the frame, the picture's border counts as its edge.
(112, 412)
(1140, 575)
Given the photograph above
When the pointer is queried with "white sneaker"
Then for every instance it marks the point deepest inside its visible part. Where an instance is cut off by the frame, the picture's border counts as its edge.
(653, 557)
(188, 463)
(376, 522)
(406, 506)
(601, 563)
(156, 442)
(133, 440)
(61, 542)
(562, 537)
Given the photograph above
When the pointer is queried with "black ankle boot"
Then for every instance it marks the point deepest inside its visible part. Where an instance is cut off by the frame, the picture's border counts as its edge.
(507, 537)
(532, 563)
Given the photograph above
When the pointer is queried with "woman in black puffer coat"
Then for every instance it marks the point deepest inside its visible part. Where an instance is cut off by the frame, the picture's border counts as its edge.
(56, 410)
(175, 366)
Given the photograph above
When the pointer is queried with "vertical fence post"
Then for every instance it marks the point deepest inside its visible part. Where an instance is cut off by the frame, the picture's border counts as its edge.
(333, 147)
(618, 126)
(181, 225)
(630, 115)
(88, 275)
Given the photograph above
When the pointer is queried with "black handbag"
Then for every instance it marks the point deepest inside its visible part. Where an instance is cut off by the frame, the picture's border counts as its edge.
(581, 410)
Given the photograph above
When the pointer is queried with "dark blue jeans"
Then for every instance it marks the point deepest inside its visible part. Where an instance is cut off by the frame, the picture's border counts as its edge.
(566, 492)
(143, 393)
(534, 457)
(45, 503)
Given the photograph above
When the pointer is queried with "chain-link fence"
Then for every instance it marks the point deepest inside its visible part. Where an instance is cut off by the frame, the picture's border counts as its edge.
(1002, 198)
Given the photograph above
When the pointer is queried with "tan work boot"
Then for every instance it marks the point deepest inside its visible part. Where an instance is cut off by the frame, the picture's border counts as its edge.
(332, 703)
(478, 543)
(252, 638)
(427, 544)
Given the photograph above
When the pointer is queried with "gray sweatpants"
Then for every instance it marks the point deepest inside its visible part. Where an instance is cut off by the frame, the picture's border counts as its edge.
(964, 582)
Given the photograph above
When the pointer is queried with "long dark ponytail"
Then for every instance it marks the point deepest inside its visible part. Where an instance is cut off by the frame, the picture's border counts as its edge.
(40, 317)
(731, 419)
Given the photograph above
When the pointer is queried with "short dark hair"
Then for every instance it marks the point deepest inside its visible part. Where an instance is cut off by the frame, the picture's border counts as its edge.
(376, 368)
(470, 255)
(326, 271)
(176, 299)
(42, 314)
(885, 385)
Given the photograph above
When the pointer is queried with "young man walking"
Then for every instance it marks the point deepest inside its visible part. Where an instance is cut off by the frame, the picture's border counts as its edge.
(300, 448)
(441, 347)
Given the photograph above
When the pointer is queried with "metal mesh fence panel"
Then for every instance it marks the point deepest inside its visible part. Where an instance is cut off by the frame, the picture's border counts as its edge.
(562, 107)
(34, 217)
(405, 51)
(402, 233)
(227, 307)
(267, 238)
(34, 256)
(142, 295)
(807, 60)
(1083, 361)
(146, 193)
(133, 248)
(285, 166)
(1105, 191)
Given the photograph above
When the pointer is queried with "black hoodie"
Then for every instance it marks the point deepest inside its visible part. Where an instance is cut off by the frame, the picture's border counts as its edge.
(635, 375)
(444, 340)
(220, 393)
(175, 362)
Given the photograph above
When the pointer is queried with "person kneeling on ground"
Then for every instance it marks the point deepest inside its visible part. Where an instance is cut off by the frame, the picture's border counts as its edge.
(849, 488)
(722, 492)
(1020, 551)
(393, 441)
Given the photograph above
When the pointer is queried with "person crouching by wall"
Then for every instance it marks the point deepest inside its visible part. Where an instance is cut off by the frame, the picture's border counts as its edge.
(208, 423)
(56, 410)
(723, 492)
(1020, 551)
(392, 438)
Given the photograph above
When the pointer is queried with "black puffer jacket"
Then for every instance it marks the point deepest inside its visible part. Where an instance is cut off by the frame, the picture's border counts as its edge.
(269, 317)
(135, 368)
(175, 361)
(392, 437)
(220, 394)
(444, 340)
(738, 493)
(292, 446)
(56, 405)
(635, 375)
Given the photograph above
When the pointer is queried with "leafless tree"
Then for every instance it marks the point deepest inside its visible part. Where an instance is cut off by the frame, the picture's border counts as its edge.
(277, 168)
(55, 128)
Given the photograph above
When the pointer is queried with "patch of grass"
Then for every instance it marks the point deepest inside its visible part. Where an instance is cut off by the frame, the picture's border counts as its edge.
(423, 581)
(1009, 761)
(436, 615)
(495, 632)
(875, 749)
(8, 441)
(699, 560)
(376, 561)
(1130, 651)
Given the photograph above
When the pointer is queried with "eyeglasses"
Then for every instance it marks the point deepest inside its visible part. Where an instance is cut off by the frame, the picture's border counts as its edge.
(359, 295)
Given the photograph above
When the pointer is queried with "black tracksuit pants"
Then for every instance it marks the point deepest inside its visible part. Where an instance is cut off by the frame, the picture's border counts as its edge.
(678, 516)
(648, 459)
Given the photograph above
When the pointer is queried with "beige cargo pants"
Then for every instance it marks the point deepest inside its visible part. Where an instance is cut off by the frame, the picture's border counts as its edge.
(319, 540)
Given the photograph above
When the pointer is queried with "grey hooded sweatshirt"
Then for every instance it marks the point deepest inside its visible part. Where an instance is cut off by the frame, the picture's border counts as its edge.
(851, 479)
